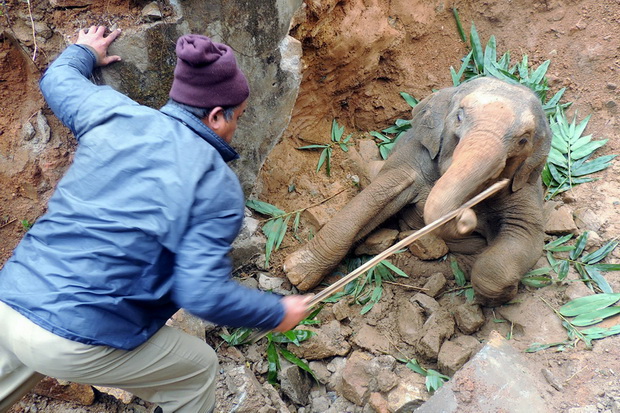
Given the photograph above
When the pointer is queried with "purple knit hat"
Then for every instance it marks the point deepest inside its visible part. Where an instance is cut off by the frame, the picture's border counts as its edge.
(206, 74)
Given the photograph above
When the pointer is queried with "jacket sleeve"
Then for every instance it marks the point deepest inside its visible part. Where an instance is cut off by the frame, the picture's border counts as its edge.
(75, 100)
(202, 276)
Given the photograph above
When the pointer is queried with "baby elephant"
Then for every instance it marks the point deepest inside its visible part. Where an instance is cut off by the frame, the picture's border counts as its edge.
(462, 140)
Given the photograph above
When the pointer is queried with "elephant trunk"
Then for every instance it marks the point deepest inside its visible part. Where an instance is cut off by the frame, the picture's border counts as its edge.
(475, 162)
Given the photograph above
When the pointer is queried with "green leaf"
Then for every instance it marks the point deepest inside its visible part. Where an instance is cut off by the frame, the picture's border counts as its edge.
(411, 101)
(296, 221)
(606, 267)
(538, 271)
(476, 48)
(580, 245)
(558, 241)
(459, 275)
(596, 256)
(282, 232)
(380, 136)
(593, 166)
(313, 147)
(394, 268)
(469, 294)
(273, 363)
(297, 361)
(596, 316)
(415, 366)
(435, 380)
(264, 208)
(583, 305)
(598, 278)
(337, 131)
(538, 281)
(459, 27)
(594, 333)
(563, 270)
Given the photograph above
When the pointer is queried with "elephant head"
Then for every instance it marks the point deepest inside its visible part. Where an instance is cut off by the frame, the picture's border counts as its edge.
(488, 131)
(462, 140)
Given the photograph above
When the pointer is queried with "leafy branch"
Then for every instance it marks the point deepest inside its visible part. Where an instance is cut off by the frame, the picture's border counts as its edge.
(434, 379)
(584, 311)
(275, 345)
(275, 227)
(367, 290)
(587, 265)
(386, 143)
(568, 158)
(327, 149)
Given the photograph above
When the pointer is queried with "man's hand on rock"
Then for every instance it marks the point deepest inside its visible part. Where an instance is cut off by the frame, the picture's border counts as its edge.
(95, 40)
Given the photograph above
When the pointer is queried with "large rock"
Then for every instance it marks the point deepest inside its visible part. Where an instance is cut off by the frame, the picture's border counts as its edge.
(497, 379)
(270, 59)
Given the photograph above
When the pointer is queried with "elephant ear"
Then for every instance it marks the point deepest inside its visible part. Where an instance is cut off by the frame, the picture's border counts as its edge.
(428, 119)
(531, 169)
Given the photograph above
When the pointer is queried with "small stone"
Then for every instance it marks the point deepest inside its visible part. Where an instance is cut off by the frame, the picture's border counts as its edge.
(152, 12)
(435, 284)
(469, 318)
(427, 247)
(377, 242)
(560, 221)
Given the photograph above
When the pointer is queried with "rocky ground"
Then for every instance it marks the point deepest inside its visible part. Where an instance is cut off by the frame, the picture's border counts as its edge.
(358, 56)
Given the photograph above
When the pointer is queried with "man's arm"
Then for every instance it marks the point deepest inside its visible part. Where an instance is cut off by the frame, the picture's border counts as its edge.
(66, 85)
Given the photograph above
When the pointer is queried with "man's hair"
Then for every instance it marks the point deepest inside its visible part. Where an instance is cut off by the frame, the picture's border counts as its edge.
(201, 113)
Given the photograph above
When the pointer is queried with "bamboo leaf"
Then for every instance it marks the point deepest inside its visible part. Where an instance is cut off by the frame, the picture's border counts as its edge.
(538, 271)
(583, 305)
(411, 101)
(297, 361)
(281, 233)
(594, 317)
(538, 281)
(264, 208)
(558, 241)
(598, 278)
(596, 256)
(296, 221)
(580, 245)
(394, 268)
(563, 270)
(459, 275)
(315, 146)
(273, 363)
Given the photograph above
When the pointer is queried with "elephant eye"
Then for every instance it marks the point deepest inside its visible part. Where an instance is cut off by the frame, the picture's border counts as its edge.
(459, 115)
(523, 141)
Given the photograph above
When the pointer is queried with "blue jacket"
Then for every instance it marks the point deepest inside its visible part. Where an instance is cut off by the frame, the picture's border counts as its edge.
(140, 225)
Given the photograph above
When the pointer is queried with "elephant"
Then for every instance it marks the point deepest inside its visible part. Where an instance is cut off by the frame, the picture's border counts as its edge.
(462, 139)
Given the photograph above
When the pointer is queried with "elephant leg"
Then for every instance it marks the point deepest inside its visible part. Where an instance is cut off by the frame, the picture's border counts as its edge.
(496, 273)
(385, 196)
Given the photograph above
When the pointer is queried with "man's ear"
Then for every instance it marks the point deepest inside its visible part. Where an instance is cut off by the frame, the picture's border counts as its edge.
(215, 119)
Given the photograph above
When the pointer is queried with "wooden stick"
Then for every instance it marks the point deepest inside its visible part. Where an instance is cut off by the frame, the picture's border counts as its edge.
(329, 291)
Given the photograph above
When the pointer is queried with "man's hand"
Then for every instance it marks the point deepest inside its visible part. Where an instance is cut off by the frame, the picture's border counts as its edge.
(94, 39)
(295, 310)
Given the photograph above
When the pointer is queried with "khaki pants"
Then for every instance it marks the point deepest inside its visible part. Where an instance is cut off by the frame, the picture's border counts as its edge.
(173, 369)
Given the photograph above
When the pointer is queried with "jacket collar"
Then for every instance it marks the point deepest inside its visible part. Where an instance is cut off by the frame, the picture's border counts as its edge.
(192, 122)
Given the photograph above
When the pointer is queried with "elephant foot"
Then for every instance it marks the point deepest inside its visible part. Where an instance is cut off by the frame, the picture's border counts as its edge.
(301, 270)
(494, 296)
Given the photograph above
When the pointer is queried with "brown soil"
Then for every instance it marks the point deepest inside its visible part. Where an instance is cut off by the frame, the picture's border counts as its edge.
(358, 56)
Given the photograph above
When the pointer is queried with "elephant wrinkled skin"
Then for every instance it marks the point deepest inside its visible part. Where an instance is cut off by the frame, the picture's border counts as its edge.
(462, 140)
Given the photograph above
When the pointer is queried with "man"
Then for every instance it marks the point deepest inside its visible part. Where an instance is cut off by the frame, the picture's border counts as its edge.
(140, 226)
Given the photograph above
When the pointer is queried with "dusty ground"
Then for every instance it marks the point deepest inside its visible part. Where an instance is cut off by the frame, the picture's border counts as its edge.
(358, 56)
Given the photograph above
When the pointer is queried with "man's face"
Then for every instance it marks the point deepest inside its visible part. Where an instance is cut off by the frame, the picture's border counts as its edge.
(227, 130)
